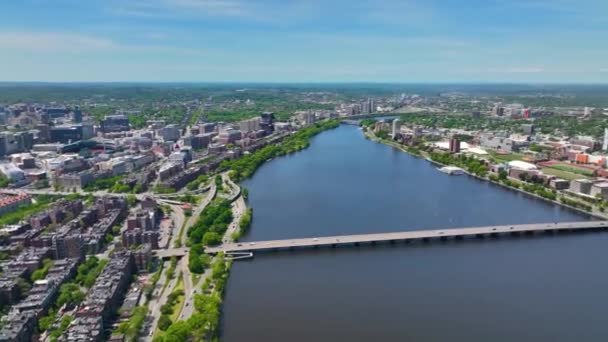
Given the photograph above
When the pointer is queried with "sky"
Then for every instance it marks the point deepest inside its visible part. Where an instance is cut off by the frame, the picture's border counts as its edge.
(397, 41)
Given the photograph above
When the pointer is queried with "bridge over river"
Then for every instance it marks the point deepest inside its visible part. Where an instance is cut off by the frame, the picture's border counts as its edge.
(406, 236)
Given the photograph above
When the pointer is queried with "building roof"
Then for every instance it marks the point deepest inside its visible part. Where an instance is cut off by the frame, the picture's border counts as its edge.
(518, 164)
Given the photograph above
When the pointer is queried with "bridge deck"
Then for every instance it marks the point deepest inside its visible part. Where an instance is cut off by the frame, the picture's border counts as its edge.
(403, 236)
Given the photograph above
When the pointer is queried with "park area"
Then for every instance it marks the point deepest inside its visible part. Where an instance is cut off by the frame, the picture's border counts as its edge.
(567, 171)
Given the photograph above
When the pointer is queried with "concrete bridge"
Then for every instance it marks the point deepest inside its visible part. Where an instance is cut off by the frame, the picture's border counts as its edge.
(410, 236)
(242, 248)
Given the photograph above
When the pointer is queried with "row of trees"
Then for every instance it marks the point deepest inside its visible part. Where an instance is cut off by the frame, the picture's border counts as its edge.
(208, 230)
(471, 164)
(246, 166)
(70, 295)
(195, 184)
(244, 224)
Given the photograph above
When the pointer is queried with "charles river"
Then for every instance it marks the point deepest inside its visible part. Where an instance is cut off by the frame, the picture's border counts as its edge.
(542, 288)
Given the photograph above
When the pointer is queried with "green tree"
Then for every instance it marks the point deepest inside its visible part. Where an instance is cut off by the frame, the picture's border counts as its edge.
(164, 322)
(131, 200)
(69, 294)
(166, 309)
(4, 182)
(211, 239)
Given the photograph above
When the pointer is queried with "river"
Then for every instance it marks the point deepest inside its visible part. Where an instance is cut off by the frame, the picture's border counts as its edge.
(544, 288)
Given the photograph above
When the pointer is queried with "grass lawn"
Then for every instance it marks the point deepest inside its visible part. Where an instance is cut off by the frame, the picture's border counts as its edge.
(39, 204)
(506, 157)
(177, 307)
(562, 174)
(572, 169)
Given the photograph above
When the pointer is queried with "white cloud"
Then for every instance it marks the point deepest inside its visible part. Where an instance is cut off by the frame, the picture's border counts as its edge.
(507, 70)
(51, 41)
(214, 7)
(184, 8)
(68, 43)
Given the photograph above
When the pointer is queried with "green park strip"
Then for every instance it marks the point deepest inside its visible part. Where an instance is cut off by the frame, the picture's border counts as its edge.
(572, 169)
(39, 204)
(561, 174)
(246, 166)
(132, 327)
(206, 319)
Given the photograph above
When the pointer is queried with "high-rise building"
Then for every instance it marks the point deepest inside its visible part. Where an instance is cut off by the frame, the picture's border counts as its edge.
(250, 125)
(115, 123)
(77, 115)
(454, 145)
(605, 146)
(498, 110)
(170, 133)
(3, 139)
(267, 121)
(70, 133)
(368, 106)
(396, 127)
(55, 113)
(587, 111)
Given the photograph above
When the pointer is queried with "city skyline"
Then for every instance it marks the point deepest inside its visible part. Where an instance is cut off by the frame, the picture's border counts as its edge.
(304, 41)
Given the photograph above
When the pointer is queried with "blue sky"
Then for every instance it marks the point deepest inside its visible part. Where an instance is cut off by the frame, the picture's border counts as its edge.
(546, 41)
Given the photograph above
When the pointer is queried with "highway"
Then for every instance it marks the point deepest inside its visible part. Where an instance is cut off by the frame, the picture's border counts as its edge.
(406, 236)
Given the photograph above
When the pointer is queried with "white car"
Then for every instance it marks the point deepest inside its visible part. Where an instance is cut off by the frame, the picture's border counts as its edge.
(315, 239)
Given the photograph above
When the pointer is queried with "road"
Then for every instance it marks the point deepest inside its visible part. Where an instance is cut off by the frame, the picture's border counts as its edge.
(189, 288)
(158, 298)
(238, 209)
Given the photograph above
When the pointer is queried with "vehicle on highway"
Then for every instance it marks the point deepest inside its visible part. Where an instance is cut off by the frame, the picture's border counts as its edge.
(315, 239)
(440, 232)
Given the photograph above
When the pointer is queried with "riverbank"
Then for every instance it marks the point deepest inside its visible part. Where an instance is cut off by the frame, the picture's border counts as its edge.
(246, 166)
(426, 157)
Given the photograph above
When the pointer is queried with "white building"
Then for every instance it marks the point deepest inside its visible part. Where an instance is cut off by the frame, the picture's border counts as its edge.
(522, 165)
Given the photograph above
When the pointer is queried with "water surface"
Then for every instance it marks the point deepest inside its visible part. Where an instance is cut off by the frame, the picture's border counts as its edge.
(542, 288)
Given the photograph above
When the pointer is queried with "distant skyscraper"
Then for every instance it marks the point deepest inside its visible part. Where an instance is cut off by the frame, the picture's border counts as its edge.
(368, 106)
(605, 146)
(396, 126)
(587, 111)
(77, 115)
(454, 145)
